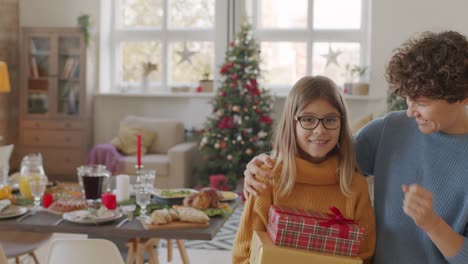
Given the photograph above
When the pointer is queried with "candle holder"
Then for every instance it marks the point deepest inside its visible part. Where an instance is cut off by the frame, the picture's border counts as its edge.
(138, 168)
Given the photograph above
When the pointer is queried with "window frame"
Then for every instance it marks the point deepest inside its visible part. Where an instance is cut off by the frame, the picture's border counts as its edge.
(165, 36)
(227, 13)
(309, 35)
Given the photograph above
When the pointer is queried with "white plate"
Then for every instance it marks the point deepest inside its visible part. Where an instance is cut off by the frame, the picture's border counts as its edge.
(79, 217)
(160, 193)
(13, 211)
(228, 196)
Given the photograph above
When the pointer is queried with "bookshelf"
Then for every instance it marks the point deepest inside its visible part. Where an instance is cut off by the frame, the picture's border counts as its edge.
(55, 103)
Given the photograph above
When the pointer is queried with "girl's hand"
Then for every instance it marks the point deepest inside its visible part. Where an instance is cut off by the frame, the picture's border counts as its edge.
(418, 205)
(252, 169)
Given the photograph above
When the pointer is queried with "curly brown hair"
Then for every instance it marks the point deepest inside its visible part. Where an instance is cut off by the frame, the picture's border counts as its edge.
(433, 65)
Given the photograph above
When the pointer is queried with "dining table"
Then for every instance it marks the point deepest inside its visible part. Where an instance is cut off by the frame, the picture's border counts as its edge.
(140, 240)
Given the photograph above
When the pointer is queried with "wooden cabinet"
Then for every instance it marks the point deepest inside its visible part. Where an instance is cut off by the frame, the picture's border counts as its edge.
(55, 103)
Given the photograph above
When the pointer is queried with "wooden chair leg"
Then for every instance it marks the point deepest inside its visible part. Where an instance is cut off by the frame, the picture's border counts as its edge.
(151, 248)
(17, 260)
(33, 255)
(169, 250)
(131, 244)
(182, 251)
(140, 252)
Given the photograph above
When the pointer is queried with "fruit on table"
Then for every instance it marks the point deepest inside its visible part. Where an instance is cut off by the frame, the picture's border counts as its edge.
(5, 192)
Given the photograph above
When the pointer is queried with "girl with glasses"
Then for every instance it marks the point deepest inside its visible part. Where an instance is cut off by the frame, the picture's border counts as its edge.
(314, 166)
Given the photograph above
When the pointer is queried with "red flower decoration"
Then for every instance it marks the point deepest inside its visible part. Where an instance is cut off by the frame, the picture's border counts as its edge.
(225, 68)
(226, 123)
(266, 119)
(252, 87)
(223, 144)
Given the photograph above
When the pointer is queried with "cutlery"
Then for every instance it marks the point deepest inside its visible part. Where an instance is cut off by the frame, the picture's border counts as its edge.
(123, 222)
(58, 222)
(24, 216)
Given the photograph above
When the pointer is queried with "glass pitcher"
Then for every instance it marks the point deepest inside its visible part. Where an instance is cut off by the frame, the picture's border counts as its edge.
(31, 169)
(94, 180)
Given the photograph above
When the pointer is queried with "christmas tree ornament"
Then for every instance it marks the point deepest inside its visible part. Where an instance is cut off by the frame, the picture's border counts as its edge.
(236, 108)
(331, 56)
(217, 146)
(185, 54)
(248, 151)
(229, 157)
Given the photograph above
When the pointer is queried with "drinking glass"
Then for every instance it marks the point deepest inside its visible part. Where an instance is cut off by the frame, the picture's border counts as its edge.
(143, 197)
(31, 168)
(93, 180)
(37, 187)
(146, 177)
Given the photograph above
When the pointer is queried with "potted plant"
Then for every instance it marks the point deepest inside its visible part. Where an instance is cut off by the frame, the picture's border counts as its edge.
(356, 84)
(206, 83)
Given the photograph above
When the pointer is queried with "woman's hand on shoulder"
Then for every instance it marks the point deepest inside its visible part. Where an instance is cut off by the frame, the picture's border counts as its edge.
(253, 168)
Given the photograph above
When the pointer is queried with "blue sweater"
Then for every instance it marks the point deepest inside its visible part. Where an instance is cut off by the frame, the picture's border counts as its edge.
(396, 152)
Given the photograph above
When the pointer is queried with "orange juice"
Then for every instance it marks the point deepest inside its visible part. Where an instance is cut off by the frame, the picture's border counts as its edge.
(24, 186)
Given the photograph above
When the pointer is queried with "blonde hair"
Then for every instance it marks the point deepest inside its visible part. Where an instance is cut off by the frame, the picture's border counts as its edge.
(285, 148)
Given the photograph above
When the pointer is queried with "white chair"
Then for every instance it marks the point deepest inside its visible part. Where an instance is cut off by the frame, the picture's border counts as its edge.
(17, 244)
(89, 251)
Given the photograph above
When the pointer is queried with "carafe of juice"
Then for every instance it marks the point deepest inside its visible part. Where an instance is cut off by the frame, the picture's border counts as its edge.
(31, 168)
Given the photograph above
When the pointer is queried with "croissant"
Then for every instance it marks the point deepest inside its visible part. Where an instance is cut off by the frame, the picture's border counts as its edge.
(192, 215)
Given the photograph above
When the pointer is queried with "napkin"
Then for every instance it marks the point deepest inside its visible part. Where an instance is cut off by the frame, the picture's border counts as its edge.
(4, 204)
(88, 215)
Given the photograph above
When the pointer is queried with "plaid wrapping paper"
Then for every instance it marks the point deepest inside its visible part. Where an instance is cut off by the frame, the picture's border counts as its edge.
(315, 231)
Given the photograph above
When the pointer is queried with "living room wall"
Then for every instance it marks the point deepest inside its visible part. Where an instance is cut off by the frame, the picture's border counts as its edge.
(9, 26)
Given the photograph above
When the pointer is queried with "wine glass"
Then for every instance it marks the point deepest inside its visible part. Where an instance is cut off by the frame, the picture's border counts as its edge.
(143, 196)
(37, 186)
(146, 177)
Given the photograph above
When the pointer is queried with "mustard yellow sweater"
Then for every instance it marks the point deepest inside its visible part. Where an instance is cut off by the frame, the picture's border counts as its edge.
(316, 188)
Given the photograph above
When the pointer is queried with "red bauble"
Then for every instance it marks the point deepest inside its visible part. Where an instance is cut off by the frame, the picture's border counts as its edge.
(199, 89)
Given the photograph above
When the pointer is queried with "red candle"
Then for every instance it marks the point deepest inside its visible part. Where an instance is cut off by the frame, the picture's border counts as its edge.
(138, 150)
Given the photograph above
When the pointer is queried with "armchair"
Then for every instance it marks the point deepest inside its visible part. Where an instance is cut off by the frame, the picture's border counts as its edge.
(168, 154)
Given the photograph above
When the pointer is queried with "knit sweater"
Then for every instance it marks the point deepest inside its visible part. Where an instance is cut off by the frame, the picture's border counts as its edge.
(396, 152)
(316, 188)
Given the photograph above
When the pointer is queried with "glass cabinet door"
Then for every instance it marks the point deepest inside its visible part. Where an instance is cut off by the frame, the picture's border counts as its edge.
(39, 84)
(69, 64)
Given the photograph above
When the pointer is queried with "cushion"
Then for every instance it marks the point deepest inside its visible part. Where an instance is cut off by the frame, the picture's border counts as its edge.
(5, 153)
(170, 132)
(126, 140)
(360, 123)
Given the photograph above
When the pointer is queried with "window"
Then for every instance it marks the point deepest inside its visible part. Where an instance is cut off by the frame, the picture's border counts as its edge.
(187, 38)
(177, 35)
(318, 37)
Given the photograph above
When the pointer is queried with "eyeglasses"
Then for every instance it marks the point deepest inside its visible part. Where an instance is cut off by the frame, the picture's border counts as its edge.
(311, 122)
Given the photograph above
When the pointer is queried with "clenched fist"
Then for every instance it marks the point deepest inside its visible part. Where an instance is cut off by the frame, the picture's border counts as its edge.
(418, 205)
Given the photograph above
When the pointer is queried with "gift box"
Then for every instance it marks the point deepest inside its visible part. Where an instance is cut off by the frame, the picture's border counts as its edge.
(263, 251)
(322, 232)
(218, 182)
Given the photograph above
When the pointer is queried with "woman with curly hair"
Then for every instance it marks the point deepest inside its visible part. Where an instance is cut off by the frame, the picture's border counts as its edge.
(419, 157)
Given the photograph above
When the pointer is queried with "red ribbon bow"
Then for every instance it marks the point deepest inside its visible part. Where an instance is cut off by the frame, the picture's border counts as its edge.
(336, 218)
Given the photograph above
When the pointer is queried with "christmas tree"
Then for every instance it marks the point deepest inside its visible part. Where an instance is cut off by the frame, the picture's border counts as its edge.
(240, 125)
(395, 103)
